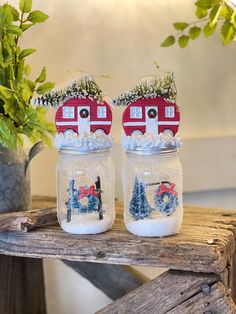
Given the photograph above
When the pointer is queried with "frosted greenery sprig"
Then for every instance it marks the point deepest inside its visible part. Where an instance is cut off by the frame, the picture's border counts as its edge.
(163, 86)
(82, 88)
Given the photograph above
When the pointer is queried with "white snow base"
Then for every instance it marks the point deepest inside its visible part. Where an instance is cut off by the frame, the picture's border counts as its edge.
(87, 224)
(161, 227)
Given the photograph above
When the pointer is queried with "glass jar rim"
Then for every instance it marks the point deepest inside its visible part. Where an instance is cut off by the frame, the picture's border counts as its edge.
(70, 150)
(163, 151)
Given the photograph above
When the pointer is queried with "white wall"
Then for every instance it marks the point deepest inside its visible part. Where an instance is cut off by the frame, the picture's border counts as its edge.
(122, 39)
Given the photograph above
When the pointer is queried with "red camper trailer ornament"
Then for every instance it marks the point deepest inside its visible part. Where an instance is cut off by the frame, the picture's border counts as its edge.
(151, 115)
(83, 116)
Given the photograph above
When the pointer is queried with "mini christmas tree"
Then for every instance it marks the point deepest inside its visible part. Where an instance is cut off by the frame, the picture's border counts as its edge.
(139, 207)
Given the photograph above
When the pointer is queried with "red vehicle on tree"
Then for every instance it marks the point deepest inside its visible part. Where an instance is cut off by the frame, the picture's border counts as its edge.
(151, 115)
(83, 116)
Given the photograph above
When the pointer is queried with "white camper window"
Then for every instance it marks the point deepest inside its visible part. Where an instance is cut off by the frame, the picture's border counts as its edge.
(136, 112)
(68, 112)
(170, 112)
(102, 112)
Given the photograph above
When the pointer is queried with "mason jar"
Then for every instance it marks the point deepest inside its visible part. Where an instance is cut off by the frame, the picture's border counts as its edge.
(85, 191)
(152, 188)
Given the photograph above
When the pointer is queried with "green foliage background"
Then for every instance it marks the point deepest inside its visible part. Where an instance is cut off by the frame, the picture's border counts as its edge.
(17, 116)
(210, 15)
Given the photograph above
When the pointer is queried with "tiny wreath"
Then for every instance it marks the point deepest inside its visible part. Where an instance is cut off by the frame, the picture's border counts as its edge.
(166, 198)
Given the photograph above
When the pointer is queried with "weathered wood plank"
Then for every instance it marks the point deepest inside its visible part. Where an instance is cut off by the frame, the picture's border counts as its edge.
(27, 220)
(162, 294)
(114, 280)
(210, 240)
(22, 287)
(217, 301)
(119, 247)
(213, 246)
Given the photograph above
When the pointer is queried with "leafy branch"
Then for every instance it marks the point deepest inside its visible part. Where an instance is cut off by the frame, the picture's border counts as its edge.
(18, 118)
(211, 13)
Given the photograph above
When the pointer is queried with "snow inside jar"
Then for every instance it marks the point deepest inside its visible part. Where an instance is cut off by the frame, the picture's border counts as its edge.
(152, 185)
(85, 191)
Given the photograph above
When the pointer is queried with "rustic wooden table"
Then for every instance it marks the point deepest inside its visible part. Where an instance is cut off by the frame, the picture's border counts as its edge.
(201, 259)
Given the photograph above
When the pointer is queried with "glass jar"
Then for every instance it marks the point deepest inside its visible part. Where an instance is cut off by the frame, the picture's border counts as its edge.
(85, 191)
(152, 187)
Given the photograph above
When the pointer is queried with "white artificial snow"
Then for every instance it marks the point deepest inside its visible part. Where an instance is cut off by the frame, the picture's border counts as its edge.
(83, 142)
(159, 227)
(150, 141)
(87, 224)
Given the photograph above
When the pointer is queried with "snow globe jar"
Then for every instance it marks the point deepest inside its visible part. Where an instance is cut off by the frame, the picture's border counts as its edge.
(152, 174)
(152, 184)
(85, 176)
(85, 191)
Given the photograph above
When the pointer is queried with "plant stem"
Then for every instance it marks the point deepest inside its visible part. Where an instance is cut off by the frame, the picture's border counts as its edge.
(16, 41)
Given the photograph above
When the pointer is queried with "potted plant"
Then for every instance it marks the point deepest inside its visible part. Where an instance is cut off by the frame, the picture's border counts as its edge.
(19, 119)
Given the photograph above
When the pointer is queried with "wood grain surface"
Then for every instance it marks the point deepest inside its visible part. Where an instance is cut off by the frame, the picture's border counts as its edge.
(206, 243)
(176, 292)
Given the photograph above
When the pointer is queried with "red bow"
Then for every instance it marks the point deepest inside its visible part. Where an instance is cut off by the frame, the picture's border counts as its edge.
(84, 192)
(163, 188)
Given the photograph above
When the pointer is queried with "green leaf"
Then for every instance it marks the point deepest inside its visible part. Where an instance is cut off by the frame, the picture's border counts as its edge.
(14, 12)
(37, 17)
(208, 29)
(27, 70)
(194, 32)
(227, 32)
(206, 4)
(26, 26)
(183, 41)
(180, 25)
(26, 94)
(42, 76)
(25, 6)
(233, 18)
(31, 85)
(26, 52)
(5, 92)
(6, 17)
(169, 41)
(226, 11)
(201, 13)
(20, 70)
(14, 30)
(8, 134)
(214, 14)
(45, 87)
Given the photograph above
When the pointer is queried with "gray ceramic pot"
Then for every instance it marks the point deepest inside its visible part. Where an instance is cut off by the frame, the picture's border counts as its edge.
(15, 178)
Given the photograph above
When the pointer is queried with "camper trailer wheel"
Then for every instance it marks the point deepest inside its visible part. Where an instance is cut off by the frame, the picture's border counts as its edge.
(69, 132)
(100, 131)
(168, 132)
(137, 132)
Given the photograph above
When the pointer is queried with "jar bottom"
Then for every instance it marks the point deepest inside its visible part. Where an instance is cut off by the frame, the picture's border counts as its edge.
(89, 224)
(162, 227)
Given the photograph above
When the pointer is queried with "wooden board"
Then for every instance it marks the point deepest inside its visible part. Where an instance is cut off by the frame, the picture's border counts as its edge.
(206, 243)
(22, 286)
(176, 292)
